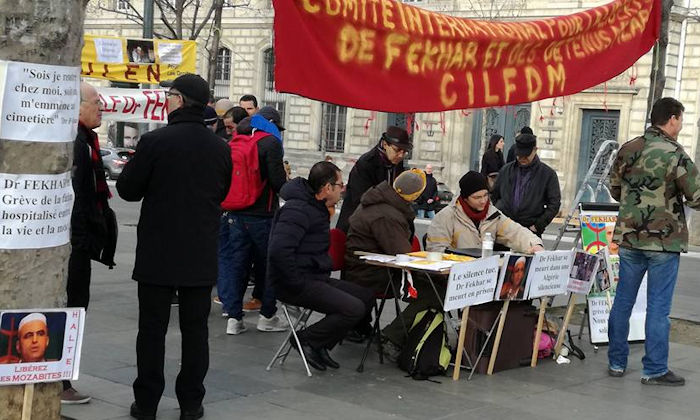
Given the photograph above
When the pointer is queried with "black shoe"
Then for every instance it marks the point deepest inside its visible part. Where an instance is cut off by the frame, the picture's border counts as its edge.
(326, 358)
(667, 379)
(197, 413)
(312, 357)
(136, 413)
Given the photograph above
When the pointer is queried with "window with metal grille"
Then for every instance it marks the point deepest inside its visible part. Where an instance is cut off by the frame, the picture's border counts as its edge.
(223, 64)
(333, 128)
(269, 61)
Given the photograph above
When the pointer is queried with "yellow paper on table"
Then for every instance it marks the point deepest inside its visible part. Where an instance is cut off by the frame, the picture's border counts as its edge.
(445, 257)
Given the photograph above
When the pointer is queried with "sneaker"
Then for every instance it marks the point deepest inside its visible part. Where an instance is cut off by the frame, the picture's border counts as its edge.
(272, 324)
(217, 300)
(235, 326)
(71, 396)
(252, 305)
(667, 379)
(615, 372)
(224, 314)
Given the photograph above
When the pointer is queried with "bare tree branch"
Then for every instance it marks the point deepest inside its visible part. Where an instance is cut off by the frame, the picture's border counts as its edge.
(165, 20)
(194, 17)
(195, 34)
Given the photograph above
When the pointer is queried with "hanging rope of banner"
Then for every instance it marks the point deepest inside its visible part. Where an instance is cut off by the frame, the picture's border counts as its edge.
(633, 73)
(605, 96)
(372, 116)
(442, 123)
(410, 118)
(539, 105)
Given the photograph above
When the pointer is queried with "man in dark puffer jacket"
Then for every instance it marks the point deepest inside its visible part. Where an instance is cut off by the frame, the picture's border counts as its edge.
(299, 266)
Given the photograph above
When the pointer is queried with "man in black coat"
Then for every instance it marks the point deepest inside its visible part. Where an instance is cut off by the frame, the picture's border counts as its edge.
(527, 190)
(89, 229)
(300, 267)
(182, 172)
(383, 163)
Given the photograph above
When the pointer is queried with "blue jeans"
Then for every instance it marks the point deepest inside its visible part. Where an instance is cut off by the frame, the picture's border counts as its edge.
(242, 241)
(662, 269)
(425, 214)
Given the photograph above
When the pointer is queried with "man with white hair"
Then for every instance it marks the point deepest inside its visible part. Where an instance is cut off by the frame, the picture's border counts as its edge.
(32, 338)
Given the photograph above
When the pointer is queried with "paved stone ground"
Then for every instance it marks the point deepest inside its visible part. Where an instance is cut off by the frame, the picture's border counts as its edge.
(238, 387)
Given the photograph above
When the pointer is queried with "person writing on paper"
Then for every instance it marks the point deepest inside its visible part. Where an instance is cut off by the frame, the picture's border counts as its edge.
(33, 338)
(513, 286)
(382, 224)
(464, 222)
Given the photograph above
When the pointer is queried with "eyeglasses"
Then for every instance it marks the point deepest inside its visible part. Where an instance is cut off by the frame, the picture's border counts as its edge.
(398, 150)
(341, 185)
(171, 93)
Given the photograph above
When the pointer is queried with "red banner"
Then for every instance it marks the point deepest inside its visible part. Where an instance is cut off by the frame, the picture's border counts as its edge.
(388, 56)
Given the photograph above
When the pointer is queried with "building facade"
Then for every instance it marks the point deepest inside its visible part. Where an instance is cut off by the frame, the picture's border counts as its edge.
(570, 129)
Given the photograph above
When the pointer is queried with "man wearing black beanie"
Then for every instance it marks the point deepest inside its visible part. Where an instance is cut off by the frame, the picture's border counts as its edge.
(182, 173)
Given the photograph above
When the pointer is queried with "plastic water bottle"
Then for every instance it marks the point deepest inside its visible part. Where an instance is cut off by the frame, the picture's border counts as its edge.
(487, 245)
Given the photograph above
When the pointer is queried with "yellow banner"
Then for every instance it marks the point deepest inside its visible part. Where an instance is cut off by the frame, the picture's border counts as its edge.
(136, 60)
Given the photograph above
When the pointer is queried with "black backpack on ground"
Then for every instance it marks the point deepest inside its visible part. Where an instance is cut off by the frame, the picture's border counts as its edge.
(425, 352)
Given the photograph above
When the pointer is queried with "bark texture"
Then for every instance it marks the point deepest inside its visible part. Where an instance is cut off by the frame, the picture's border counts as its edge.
(44, 32)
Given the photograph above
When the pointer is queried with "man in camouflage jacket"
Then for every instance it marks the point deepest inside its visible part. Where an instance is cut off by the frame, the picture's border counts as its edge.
(650, 178)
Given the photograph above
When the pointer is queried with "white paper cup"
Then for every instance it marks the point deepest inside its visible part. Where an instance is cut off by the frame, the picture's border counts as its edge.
(434, 256)
(403, 258)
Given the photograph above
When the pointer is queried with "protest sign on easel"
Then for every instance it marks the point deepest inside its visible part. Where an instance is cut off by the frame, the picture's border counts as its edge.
(549, 276)
(470, 283)
(513, 284)
(583, 270)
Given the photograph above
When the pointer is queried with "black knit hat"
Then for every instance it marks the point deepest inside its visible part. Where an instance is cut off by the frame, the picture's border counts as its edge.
(192, 86)
(472, 182)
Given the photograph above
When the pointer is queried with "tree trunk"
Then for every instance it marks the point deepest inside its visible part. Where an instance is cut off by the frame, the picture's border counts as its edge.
(658, 64)
(45, 32)
(216, 37)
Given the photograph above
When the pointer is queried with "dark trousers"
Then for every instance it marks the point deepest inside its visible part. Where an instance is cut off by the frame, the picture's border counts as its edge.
(154, 314)
(78, 284)
(345, 305)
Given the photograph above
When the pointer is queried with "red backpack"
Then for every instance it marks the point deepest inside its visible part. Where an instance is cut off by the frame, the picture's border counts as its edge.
(246, 183)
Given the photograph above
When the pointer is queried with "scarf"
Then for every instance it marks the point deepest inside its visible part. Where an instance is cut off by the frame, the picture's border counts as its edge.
(523, 175)
(101, 186)
(475, 216)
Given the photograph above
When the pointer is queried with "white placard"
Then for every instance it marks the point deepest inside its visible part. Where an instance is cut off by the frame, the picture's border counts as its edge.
(134, 105)
(35, 210)
(47, 347)
(170, 53)
(39, 102)
(109, 50)
(471, 283)
(549, 273)
(599, 313)
(583, 270)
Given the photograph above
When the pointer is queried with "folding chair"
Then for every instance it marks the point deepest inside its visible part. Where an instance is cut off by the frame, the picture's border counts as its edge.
(376, 330)
(286, 346)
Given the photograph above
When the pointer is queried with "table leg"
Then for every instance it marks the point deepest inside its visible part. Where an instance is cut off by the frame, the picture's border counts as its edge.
(460, 343)
(497, 340)
(538, 332)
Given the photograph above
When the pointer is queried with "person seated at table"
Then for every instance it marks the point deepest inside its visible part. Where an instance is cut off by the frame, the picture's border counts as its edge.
(382, 224)
(462, 224)
(299, 266)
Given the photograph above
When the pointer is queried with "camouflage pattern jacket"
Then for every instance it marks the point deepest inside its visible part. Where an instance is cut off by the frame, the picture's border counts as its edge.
(650, 177)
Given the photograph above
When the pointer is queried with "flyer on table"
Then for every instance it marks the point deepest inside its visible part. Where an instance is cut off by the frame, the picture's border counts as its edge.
(40, 345)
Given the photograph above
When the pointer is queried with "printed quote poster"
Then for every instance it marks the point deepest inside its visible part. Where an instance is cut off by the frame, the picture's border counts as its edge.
(38, 102)
(40, 345)
(35, 210)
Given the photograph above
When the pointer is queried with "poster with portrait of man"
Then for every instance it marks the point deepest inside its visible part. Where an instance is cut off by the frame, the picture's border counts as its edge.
(40, 345)
(513, 282)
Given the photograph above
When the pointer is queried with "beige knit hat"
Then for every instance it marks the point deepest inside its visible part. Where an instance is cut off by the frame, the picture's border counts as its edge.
(410, 184)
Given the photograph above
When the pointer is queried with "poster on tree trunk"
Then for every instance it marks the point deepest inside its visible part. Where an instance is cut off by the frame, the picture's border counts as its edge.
(38, 102)
(40, 345)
